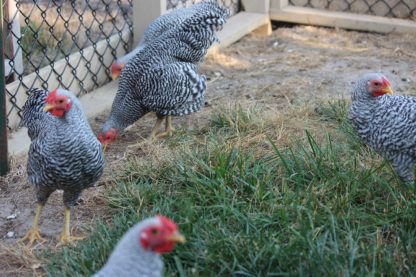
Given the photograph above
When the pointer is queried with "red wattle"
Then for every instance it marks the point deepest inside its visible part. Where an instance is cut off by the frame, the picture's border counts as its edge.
(378, 93)
(58, 113)
(165, 248)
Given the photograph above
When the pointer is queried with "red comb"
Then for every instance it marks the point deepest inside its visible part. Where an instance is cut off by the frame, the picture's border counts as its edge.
(115, 67)
(385, 81)
(51, 96)
(167, 223)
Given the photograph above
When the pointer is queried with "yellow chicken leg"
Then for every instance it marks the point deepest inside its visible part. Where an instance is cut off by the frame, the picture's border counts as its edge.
(33, 234)
(168, 128)
(156, 128)
(66, 237)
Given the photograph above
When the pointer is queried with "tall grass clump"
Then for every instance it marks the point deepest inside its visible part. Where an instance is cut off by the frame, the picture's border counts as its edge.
(308, 209)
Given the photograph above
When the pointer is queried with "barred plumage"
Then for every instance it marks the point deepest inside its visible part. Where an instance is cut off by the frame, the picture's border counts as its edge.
(163, 76)
(33, 116)
(386, 123)
(64, 153)
(159, 26)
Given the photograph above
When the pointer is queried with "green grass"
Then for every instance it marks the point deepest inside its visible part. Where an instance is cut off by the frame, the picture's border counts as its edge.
(312, 208)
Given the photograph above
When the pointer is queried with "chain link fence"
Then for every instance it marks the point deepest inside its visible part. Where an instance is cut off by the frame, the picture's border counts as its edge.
(71, 44)
(404, 9)
(233, 5)
(39, 34)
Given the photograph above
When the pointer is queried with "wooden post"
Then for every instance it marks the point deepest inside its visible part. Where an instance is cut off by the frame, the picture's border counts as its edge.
(144, 11)
(279, 4)
(259, 6)
(12, 50)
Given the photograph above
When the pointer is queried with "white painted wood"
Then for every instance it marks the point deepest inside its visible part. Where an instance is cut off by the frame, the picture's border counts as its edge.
(7, 68)
(342, 20)
(279, 4)
(144, 11)
(256, 6)
(238, 26)
(17, 50)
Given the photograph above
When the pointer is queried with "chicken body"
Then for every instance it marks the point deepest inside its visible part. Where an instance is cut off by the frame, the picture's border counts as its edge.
(64, 153)
(386, 123)
(163, 76)
(158, 27)
(138, 251)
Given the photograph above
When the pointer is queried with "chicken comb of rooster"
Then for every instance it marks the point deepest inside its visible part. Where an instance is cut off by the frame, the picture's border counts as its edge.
(167, 223)
(115, 66)
(51, 96)
(385, 81)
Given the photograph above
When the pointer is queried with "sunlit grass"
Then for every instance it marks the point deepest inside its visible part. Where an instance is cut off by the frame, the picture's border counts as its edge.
(316, 208)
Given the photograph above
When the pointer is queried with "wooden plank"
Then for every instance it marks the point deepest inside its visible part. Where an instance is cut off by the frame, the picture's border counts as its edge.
(342, 20)
(237, 27)
(144, 12)
(278, 4)
(258, 6)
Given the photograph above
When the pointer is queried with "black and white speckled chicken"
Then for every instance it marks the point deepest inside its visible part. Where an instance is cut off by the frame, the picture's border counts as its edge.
(385, 122)
(64, 153)
(163, 77)
(158, 27)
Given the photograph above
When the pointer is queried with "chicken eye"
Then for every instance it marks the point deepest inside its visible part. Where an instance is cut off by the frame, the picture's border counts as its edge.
(377, 83)
(154, 231)
(60, 101)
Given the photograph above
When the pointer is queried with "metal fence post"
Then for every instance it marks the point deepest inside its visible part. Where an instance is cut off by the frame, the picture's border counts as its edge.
(4, 163)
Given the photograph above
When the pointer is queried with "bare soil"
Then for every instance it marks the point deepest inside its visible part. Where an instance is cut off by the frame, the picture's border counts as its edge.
(292, 69)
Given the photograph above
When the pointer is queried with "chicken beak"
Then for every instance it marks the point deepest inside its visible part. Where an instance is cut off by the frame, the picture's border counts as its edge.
(387, 90)
(48, 107)
(176, 237)
(104, 147)
(114, 76)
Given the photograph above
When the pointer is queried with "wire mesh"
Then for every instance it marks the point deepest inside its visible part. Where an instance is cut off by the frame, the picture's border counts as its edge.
(233, 5)
(404, 9)
(40, 33)
(56, 33)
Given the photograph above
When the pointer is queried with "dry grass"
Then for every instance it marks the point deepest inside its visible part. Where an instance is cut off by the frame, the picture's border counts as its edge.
(277, 81)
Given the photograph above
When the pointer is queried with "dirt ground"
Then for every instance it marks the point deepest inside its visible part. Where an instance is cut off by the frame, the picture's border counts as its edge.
(295, 66)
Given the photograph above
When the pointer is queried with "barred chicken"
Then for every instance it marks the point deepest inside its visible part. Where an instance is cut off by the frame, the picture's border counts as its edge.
(138, 252)
(386, 123)
(64, 153)
(163, 76)
(158, 27)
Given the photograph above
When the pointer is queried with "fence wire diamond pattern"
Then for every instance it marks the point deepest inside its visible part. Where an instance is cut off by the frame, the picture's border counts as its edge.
(405, 9)
(39, 33)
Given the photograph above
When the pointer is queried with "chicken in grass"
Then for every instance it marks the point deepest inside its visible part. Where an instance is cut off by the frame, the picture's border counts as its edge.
(158, 27)
(163, 76)
(385, 122)
(64, 153)
(138, 252)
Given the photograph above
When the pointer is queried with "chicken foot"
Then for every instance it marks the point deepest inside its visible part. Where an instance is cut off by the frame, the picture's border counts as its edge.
(34, 233)
(65, 236)
(168, 127)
